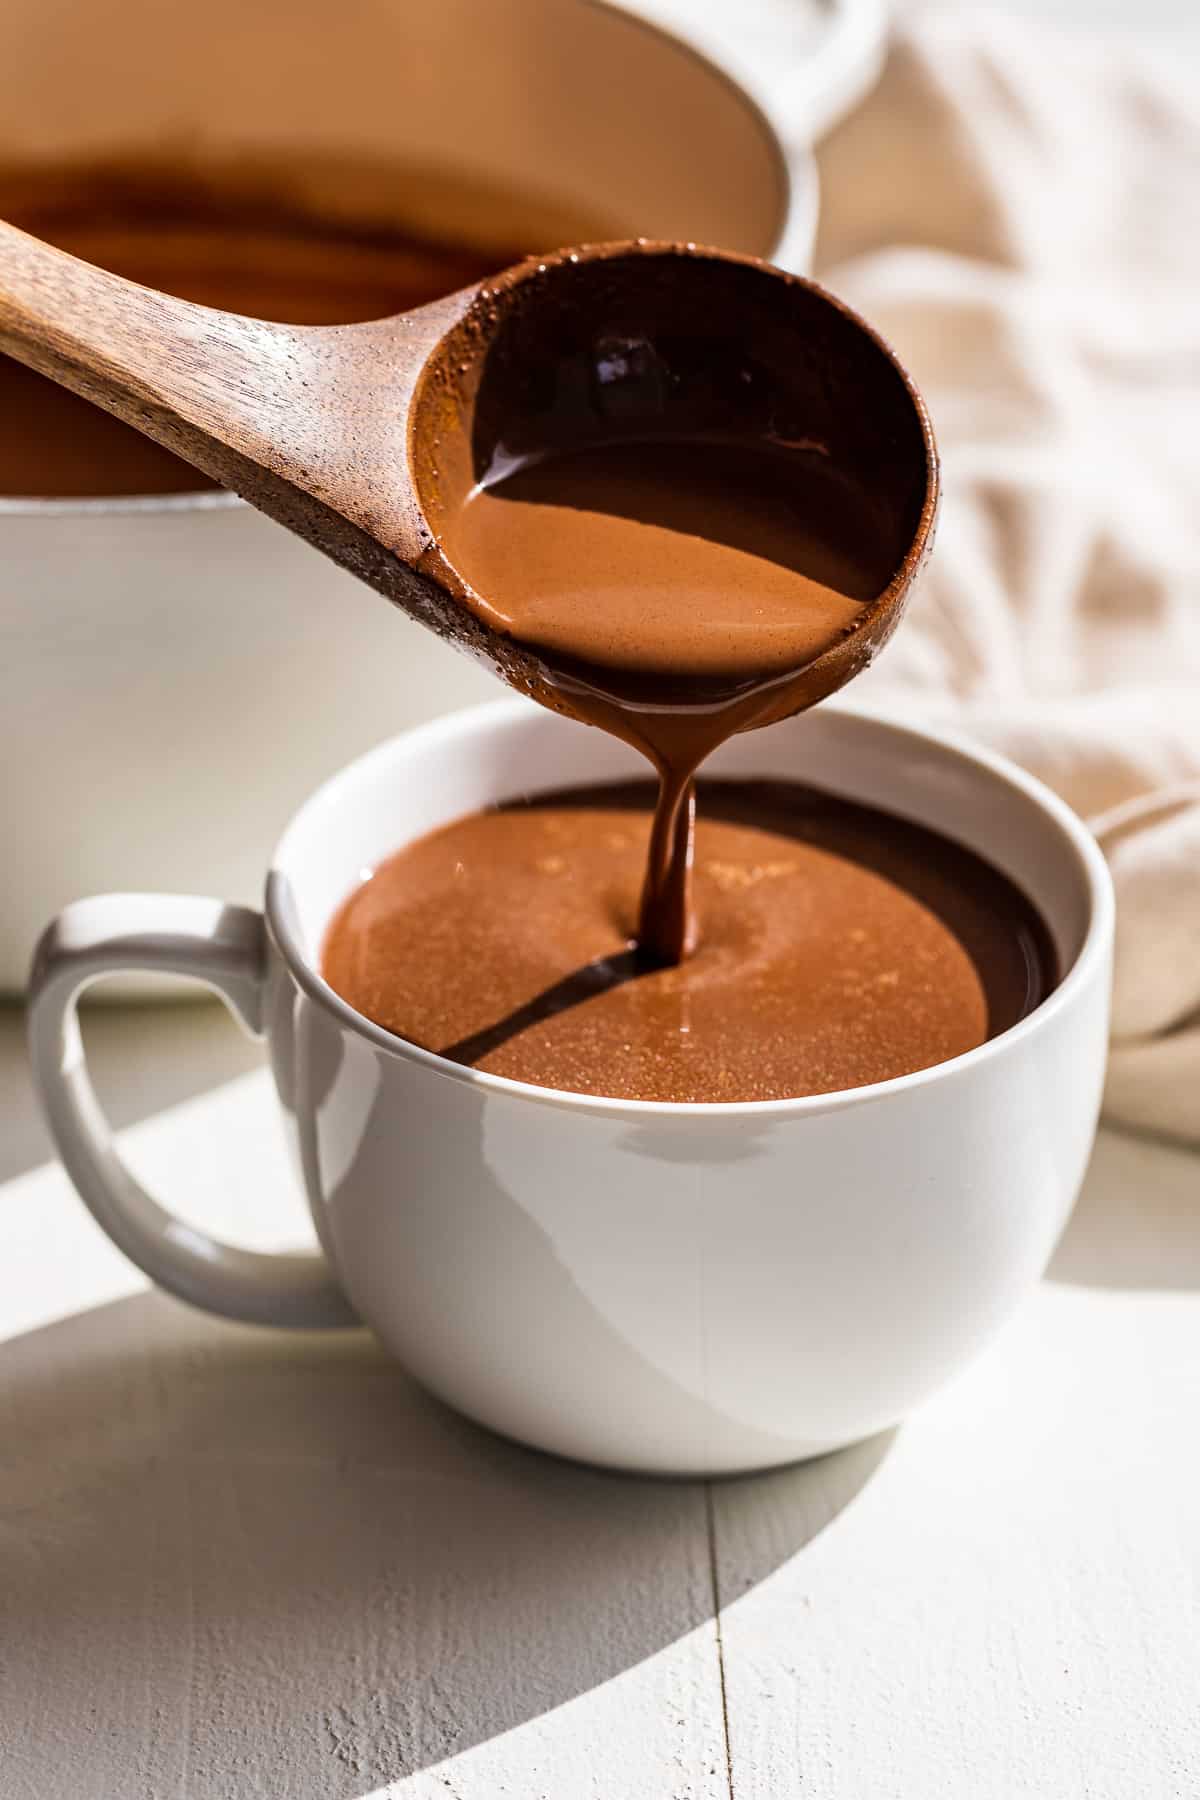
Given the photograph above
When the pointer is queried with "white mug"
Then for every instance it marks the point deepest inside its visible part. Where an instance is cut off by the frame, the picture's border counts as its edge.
(677, 1289)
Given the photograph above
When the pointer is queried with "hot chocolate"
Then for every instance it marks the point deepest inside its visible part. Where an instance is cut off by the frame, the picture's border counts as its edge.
(840, 946)
(674, 587)
(676, 590)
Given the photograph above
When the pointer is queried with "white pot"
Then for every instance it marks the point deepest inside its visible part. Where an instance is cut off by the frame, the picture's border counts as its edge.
(176, 673)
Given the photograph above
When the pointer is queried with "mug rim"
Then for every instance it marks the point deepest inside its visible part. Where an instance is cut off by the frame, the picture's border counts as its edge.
(502, 715)
(790, 236)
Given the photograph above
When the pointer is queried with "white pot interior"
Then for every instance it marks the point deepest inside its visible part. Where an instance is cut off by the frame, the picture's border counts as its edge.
(603, 120)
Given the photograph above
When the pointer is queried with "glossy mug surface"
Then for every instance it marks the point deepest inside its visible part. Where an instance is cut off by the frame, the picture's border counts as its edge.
(153, 648)
(677, 1289)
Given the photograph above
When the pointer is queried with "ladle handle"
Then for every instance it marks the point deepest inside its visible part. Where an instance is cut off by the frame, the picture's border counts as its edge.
(188, 376)
(306, 422)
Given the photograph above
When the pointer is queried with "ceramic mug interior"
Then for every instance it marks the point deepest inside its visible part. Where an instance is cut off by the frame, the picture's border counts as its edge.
(454, 766)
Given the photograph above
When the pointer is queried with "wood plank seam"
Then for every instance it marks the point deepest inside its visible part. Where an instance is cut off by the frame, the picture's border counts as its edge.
(716, 1606)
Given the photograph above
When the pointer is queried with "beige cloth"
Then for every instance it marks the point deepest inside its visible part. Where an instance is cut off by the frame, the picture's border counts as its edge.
(1019, 212)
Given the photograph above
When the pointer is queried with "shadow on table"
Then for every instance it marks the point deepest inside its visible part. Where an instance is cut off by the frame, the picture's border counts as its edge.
(226, 1554)
(1137, 1221)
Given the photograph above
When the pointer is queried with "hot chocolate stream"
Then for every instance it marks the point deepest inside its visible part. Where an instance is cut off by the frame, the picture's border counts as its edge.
(675, 592)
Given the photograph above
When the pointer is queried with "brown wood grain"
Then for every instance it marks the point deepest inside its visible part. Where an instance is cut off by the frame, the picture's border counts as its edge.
(307, 423)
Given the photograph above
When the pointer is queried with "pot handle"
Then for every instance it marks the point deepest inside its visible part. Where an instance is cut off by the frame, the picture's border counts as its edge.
(842, 68)
(225, 948)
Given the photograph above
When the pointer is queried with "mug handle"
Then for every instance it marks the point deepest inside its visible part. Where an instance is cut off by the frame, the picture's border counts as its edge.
(225, 948)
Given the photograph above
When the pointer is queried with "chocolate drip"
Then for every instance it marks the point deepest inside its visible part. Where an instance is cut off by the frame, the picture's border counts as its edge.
(675, 592)
(667, 925)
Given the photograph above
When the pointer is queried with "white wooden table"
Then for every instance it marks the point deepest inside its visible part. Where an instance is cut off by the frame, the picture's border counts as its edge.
(237, 1563)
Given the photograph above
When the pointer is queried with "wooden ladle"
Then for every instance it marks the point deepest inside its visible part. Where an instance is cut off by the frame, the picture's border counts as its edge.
(364, 438)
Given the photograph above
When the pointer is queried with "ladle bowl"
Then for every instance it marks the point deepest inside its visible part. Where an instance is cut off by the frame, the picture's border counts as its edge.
(363, 439)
